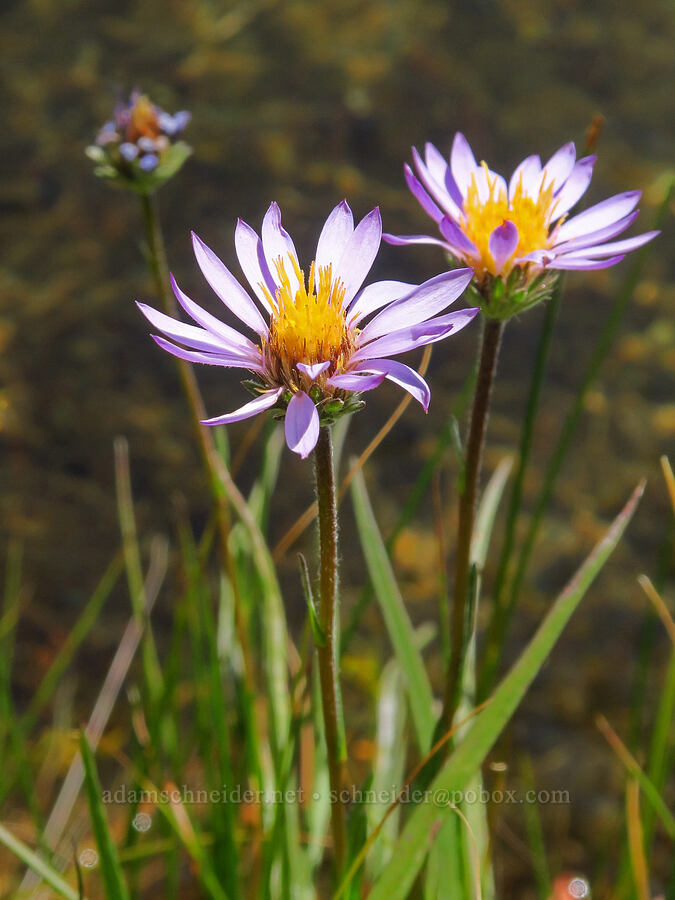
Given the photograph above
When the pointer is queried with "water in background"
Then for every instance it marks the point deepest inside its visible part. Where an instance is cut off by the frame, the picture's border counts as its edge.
(305, 103)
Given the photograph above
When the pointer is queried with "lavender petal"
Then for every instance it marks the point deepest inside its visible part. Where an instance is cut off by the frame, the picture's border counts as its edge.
(421, 304)
(359, 254)
(260, 404)
(602, 214)
(335, 234)
(253, 264)
(226, 286)
(402, 375)
(502, 244)
(302, 424)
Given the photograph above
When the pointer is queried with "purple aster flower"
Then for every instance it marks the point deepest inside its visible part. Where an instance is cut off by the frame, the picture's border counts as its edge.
(519, 230)
(140, 145)
(311, 353)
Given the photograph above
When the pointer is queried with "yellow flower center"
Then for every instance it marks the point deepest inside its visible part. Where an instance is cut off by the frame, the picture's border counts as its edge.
(308, 325)
(532, 218)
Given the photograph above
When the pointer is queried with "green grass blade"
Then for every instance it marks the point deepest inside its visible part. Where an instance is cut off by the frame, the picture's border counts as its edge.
(485, 517)
(651, 792)
(111, 869)
(132, 560)
(261, 493)
(37, 865)
(535, 834)
(409, 509)
(389, 764)
(413, 845)
(395, 615)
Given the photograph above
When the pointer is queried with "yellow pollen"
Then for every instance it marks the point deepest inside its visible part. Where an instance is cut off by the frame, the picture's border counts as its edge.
(308, 326)
(532, 218)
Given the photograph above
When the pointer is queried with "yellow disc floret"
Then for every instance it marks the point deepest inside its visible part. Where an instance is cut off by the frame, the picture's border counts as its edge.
(531, 216)
(307, 325)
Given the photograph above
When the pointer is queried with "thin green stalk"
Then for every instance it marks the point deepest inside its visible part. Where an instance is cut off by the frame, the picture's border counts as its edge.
(328, 653)
(501, 613)
(221, 485)
(569, 428)
(490, 343)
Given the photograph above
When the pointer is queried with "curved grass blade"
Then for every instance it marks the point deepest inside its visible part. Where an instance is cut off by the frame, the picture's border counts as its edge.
(650, 791)
(413, 845)
(395, 615)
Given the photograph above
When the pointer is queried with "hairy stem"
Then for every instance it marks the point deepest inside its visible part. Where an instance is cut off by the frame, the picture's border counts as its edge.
(490, 342)
(329, 652)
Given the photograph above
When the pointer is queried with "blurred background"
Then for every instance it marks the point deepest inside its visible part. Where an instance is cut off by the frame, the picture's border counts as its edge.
(306, 103)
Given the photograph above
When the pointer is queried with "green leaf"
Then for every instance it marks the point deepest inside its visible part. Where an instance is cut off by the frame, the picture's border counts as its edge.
(395, 615)
(39, 866)
(413, 845)
(111, 869)
(173, 160)
(317, 629)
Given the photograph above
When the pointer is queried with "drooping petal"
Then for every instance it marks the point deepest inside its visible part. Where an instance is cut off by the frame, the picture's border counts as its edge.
(227, 287)
(334, 236)
(375, 296)
(278, 245)
(456, 238)
(421, 304)
(226, 333)
(564, 262)
(602, 214)
(348, 381)
(260, 404)
(420, 194)
(528, 174)
(462, 163)
(402, 375)
(502, 244)
(253, 263)
(599, 250)
(595, 237)
(314, 370)
(575, 187)
(189, 335)
(454, 321)
(359, 253)
(209, 359)
(302, 424)
(559, 167)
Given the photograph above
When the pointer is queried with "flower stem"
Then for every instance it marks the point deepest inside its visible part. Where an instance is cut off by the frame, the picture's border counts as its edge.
(490, 342)
(328, 653)
(502, 611)
(222, 488)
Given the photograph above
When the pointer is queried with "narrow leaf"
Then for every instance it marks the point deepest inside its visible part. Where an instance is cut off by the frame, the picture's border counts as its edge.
(395, 615)
(413, 845)
(111, 869)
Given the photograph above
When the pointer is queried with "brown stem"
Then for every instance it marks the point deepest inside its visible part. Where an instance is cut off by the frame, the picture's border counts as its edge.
(328, 653)
(491, 340)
